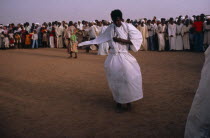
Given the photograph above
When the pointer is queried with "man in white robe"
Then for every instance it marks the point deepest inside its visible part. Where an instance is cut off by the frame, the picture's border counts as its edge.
(59, 34)
(206, 29)
(93, 33)
(179, 41)
(122, 70)
(198, 121)
(104, 47)
(80, 25)
(144, 31)
(186, 35)
(161, 31)
(172, 34)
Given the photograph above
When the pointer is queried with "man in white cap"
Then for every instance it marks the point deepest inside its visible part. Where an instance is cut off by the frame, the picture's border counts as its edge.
(144, 31)
(59, 34)
(186, 34)
(161, 32)
(172, 34)
(179, 40)
(79, 25)
(93, 33)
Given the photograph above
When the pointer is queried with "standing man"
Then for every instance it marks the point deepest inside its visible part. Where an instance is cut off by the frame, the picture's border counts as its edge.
(179, 41)
(80, 25)
(92, 32)
(186, 34)
(122, 70)
(144, 31)
(59, 33)
(103, 48)
(151, 33)
(198, 27)
(172, 34)
(161, 32)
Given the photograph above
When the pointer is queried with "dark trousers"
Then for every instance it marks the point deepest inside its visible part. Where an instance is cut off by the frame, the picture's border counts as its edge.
(198, 42)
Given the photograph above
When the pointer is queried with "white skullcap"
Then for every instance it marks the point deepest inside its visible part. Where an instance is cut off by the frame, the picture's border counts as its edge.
(143, 21)
(182, 18)
(192, 18)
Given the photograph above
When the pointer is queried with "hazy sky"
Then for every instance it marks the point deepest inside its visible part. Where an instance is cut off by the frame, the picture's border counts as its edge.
(20, 11)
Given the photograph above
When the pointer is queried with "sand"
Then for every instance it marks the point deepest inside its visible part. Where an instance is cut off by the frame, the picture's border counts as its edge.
(45, 94)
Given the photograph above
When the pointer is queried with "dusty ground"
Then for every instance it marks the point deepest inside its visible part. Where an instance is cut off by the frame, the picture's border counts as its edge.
(45, 94)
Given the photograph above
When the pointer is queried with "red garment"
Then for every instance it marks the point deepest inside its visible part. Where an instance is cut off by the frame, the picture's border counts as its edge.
(52, 33)
(198, 25)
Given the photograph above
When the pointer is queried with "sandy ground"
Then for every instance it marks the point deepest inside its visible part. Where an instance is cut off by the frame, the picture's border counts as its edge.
(45, 94)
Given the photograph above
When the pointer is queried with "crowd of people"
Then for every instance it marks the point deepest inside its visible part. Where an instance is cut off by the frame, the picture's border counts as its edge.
(180, 33)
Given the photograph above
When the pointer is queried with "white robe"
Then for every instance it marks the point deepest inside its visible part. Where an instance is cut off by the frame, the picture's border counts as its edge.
(198, 121)
(104, 47)
(206, 34)
(161, 30)
(59, 33)
(186, 36)
(145, 35)
(179, 41)
(172, 40)
(122, 70)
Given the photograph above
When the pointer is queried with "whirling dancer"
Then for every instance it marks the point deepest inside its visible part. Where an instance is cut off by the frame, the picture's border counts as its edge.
(122, 70)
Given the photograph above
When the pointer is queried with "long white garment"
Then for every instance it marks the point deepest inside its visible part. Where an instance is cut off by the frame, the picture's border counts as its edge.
(92, 31)
(104, 47)
(172, 40)
(52, 45)
(145, 35)
(6, 42)
(80, 26)
(179, 41)
(186, 36)
(206, 34)
(161, 30)
(198, 121)
(122, 70)
(59, 33)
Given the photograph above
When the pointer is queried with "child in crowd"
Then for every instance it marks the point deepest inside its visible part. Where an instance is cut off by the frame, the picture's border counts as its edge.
(45, 39)
(11, 39)
(6, 41)
(27, 40)
(35, 39)
(17, 40)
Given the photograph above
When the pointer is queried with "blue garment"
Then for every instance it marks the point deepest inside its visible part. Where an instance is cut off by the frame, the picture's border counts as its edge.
(35, 42)
(151, 43)
(198, 42)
